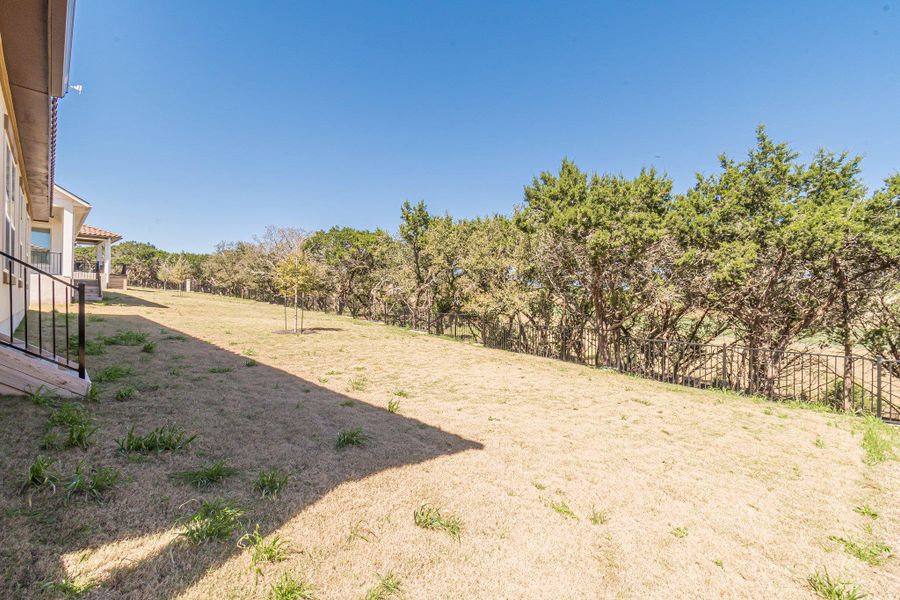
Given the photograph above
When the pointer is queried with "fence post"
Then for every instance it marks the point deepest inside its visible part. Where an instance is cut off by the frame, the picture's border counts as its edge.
(878, 386)
(724, 366)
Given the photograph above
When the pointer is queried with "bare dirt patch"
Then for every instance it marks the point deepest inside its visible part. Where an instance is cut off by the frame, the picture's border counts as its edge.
(556, 481)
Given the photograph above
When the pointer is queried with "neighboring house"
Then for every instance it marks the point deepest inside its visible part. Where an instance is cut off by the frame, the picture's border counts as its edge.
(53, 244)
(35, 46)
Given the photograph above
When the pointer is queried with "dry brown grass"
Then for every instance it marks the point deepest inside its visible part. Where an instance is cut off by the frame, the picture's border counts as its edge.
(494, 438)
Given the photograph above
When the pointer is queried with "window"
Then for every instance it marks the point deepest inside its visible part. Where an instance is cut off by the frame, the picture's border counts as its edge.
(40, 239)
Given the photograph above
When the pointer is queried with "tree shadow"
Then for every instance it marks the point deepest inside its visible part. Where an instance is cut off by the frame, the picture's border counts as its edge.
(114, 299)
(253, 416)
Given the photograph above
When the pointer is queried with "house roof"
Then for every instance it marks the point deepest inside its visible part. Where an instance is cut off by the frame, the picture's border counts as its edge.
(89, 233)
(36, 42)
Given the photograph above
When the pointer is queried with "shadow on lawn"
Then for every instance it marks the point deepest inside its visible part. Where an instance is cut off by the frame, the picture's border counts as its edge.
(254, 417)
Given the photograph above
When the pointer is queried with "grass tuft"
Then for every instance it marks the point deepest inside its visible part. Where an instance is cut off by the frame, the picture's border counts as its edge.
(90, 483)
(214, 520)
(873, 553)
(561, 507)
(126, 338)
(251, 363)
(288, 588)
(221, 370)
(388, 586)
(401, 393)
(41, 473)
(831, 589)
(262, 550)
(41, 397)
(270, 483)
(149, 348)
(679, 532)
(598, 517)
(167, 437)
(866, 511)
(357, 384)
(879, 440)
(126, 393)
(393, 406)
(70, 588)
(206, 475)
(113, 373)
(351, 437)
(428, 516)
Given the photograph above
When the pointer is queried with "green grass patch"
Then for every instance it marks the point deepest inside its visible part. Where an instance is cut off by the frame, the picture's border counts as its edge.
(393, 406)
(879, 440)
(214, 520)
(206, 475)
(264, 550)
(113, 373)
(679, 532)
(126, 393)
(270, 483)
(401, 393)
(388, 586)
(221, 370)
(598, 517)
(42, 473)
(251, 363)
(92, 347)
(90, 483)
(149, 348)
(289, 588)
(866, 511)
(165, 438)
(832, 589)
(561, 507)
(873, 553)
(175, 338)
(351, 437)
(126, 338)
(428, 516)
(357, 384)
(69, 588)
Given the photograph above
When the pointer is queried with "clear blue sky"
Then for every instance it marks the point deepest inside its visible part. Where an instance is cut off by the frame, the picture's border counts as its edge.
(208, 120)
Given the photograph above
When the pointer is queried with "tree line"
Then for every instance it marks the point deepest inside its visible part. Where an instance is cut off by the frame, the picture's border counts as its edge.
(767, 251)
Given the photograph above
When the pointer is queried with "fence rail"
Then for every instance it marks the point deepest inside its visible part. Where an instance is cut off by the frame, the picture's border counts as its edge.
(861, 383)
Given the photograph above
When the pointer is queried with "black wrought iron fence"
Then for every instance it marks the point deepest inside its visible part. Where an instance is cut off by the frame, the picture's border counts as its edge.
(43, 315)
(861, 383)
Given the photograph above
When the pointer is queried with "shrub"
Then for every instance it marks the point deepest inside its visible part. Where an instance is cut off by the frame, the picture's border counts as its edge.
(149, 348)
(167, 437)
(214, 520)
(270, 483)
(430, 517)
(351, 437)
(206, 475)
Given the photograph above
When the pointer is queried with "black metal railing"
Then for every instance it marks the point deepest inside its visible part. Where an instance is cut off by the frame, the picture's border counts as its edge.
(49, 262)
(44, 314)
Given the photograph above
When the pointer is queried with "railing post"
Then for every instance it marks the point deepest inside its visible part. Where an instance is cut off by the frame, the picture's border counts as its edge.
(878, 361)
(81, 332)
(11, 309)
(724, 366)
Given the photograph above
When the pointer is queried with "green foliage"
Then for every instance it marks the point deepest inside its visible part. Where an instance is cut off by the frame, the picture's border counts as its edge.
(214, 520)
(866, 511)
(393, 406)
(263, 550)
(113, 373)
(831, 589)
(220, 370)
(70, 588)
(270, 483)
(879, 440)
(41, 473)
(126, 392)
(563, 508)
(351, 437)
(206, 475)
(90, 483)
(289, 588)
(428, 516)
(149, 348)
(388, 586)
(165, 438)
(873, 553)
(126, 338)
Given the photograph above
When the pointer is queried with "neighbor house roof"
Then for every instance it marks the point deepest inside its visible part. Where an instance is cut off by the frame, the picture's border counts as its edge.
(89, 233)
